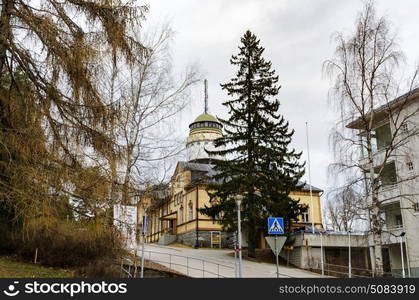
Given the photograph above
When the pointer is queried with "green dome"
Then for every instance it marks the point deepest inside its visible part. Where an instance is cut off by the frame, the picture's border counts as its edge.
(205, 123)
(206, 117)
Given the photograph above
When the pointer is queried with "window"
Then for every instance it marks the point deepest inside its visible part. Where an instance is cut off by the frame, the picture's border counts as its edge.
(305, 216)
(416, 207)
(177, 199)
(410, 166)
(380, 139)
(181, 214)
(393, 216)
(404, 128)
(156, 224)
(383, 136)
(190, 211)
(399, 220)
(363, 143)
(388, 175)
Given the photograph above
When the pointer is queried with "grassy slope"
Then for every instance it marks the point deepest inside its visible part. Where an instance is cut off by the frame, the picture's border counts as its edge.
(10, 268)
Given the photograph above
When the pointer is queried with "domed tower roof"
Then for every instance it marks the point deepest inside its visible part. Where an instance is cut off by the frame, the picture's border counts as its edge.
(205, 123)
(204, 130)
(205, 117)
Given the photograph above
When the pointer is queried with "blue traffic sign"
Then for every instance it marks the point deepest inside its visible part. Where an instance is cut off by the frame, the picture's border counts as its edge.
(275, 226)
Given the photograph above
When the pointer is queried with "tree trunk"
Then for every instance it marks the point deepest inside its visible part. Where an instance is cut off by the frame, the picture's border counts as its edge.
(251, 240)
(376, 231)
(375, 211)
(4, 32)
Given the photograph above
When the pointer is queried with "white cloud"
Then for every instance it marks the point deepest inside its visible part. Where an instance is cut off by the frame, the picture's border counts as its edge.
(296, 35)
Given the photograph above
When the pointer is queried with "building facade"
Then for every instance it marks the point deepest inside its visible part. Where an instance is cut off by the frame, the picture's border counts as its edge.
(396, 125)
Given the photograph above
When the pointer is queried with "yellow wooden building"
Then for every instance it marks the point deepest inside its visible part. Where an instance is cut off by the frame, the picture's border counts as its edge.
(173, 209)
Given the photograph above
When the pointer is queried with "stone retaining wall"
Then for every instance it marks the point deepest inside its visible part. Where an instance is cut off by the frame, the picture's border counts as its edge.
(204, 238)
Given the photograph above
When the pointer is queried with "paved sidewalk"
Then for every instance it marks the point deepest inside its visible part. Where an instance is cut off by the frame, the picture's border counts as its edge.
(218, 261)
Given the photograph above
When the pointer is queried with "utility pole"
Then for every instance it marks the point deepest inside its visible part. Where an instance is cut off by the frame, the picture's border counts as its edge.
(239, 199)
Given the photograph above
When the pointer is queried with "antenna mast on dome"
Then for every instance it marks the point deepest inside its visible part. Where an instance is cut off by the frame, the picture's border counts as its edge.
(206, 96)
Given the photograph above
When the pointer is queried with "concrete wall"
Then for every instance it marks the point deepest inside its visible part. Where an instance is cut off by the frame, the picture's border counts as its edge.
(204, 238)
(335, 240)
(293, 256)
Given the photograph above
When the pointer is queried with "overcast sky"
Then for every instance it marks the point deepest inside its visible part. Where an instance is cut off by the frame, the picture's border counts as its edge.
(296, 35)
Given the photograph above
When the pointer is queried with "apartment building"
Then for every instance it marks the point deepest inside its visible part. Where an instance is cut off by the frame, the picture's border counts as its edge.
(396, 126)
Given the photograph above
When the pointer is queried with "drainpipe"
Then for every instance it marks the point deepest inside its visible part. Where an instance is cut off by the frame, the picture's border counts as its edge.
(196, 217)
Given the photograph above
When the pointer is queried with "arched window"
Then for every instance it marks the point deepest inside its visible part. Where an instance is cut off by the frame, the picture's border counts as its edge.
(181, 214)
(156, 224)
(190, 211)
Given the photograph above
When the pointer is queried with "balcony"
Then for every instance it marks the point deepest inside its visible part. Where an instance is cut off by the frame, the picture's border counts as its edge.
(387, 179)
(389, 194)
(380, 140)
(393, 225)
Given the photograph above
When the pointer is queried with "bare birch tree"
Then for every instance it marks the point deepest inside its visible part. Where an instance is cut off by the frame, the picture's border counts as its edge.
(148, 99)
(345, 209)
(369, 138)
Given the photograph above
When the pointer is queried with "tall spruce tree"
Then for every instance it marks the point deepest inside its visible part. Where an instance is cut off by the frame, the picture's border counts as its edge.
(259, 163)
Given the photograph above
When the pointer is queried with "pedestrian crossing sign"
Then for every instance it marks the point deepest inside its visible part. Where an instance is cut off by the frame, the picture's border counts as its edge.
(275, 226)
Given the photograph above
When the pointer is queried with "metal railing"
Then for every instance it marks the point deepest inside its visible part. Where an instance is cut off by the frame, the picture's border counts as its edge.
(189, 266)
(343, 270)
(128, 267)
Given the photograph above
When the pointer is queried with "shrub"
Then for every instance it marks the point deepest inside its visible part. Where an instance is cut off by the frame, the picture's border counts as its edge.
(91, 249)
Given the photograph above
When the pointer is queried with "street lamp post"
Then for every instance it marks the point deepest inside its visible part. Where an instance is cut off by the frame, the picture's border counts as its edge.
(235, 255)
(401, 253)
(239, 199)
(143, 235)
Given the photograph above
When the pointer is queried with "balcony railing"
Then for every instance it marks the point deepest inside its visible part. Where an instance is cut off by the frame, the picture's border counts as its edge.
(394, 227)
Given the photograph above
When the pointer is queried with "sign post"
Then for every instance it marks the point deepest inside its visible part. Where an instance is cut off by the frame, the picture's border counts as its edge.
(276, 227)
(276, 255)
(143, 233)
(236, 271)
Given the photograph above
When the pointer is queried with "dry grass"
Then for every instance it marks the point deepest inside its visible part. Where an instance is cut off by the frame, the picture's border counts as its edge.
(91, 250)
(158, 267)
(12, 268)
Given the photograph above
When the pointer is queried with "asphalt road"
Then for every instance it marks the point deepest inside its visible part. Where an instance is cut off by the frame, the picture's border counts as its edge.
(210, 263)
